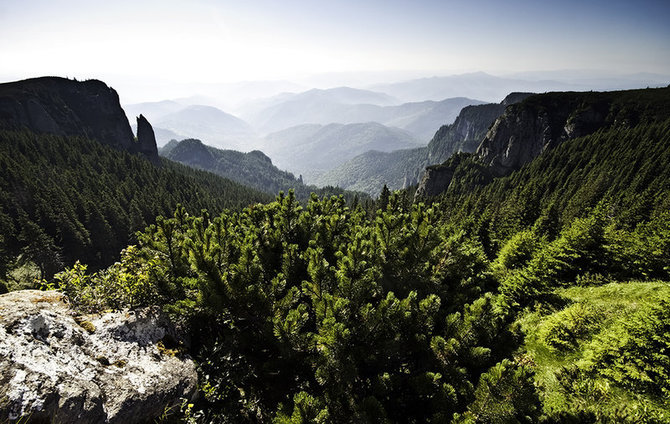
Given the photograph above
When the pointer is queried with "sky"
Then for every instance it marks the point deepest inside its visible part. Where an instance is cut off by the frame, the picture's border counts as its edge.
(159, 43)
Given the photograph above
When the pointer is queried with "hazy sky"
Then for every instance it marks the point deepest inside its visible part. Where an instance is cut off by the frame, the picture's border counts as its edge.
(224, 41)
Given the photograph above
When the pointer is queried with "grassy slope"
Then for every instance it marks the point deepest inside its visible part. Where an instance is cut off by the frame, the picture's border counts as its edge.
(607, 308)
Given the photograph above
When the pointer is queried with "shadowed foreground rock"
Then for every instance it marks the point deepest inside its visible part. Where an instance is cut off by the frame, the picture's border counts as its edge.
(56, 366)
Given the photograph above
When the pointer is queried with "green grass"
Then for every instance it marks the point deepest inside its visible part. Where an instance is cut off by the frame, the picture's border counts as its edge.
(570, 381)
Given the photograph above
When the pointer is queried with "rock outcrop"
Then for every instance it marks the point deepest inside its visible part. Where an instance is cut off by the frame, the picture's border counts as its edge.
(58, 366)
(434, 180)
(71, 108)
(541, 122)
(147, 139)
(467, 131)
(545, 121)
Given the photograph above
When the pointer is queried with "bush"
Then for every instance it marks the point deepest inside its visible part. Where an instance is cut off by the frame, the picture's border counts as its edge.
(505, 394)
(564, 330)
(126, 284)
(635, 352)
(518, 250)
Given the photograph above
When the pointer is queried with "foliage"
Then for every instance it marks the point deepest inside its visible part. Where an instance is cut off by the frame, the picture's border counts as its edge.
(64, 199)
(603, 358)
(635, 353)
(563, 330)
(505, 394)
(319, 312)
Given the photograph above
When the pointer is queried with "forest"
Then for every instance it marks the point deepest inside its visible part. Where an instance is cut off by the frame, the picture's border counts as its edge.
(64, 199)
(542, 296)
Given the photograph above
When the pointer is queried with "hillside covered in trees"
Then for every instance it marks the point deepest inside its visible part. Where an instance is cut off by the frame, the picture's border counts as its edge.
(253, 169)
(541, 296)
(67, 198)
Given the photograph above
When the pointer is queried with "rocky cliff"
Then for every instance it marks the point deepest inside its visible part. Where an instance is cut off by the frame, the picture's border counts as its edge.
(464, 135)
(60, 367)
(371, 170)
(542, 122)
(68, 107)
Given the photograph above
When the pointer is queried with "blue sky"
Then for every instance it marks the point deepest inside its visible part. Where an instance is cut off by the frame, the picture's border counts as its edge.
(226, 41)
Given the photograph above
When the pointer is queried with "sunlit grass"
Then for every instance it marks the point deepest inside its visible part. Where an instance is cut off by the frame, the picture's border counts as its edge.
(581, 388)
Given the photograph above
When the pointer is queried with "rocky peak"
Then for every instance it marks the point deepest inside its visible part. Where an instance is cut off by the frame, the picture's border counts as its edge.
(464, 135)
(71, 108)
(542, 122)
(147, 139)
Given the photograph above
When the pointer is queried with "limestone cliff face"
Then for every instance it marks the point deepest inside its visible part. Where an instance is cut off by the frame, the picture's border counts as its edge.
(543, 122)
(434, 181)
(67, 107)
(464, 135)
(467, 131)
(58, 366)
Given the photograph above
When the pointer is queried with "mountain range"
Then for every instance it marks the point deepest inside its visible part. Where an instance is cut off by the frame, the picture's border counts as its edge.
(178, 120)
(253, 169)
(313, 149)
(487, 87)
(525, 280)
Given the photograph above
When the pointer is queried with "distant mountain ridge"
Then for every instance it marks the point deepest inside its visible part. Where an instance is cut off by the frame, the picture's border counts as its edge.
(67, 107)
(208, 123)
(481, 85)
(325, 107)
(311, 150)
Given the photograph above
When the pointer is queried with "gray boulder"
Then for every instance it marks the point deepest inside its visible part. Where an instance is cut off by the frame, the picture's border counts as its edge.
(59, 366)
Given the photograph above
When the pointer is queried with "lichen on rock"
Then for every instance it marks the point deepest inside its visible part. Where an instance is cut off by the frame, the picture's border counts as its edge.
(52, 369)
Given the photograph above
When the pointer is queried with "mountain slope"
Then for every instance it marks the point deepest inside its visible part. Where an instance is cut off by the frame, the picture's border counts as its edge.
(311, 150)
(208, 123)
(70, 198)
(252, 169)
(543, 122)
(68, 107)
(370, 171)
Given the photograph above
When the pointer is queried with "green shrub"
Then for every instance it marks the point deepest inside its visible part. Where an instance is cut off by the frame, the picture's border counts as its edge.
(505, 394)
(635, 352)
(564, 330)
(518, 250)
